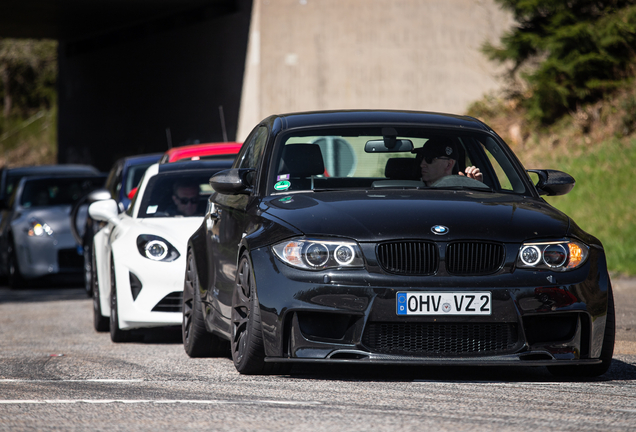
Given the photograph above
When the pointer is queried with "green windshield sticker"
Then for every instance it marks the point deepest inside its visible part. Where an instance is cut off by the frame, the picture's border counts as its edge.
(282, 185)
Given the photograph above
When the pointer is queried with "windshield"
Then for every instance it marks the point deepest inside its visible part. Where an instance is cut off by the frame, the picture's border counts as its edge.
(176, 194)
(57, 190)
(392, 157)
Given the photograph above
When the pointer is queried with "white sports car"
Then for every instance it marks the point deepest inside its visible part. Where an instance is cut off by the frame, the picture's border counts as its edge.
(140, 254)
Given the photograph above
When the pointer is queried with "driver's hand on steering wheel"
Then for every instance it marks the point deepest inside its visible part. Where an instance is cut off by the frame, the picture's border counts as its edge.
(473, 173)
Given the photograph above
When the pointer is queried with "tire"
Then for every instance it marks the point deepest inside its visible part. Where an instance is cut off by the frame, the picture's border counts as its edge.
(88, 270)
(14, 276)
(197, 341)
(116, 334)
(607, 350)
(100, 322)
(247, 347)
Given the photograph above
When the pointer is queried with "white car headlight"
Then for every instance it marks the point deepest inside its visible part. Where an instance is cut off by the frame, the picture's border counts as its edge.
(319, 254)
(156, 248)
(560, 255)
(38, 228)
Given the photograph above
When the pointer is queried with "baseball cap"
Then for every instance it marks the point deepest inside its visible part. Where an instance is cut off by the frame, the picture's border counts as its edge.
(437, 147)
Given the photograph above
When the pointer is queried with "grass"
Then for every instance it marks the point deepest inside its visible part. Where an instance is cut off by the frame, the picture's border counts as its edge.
(603, 202)
(30, 141)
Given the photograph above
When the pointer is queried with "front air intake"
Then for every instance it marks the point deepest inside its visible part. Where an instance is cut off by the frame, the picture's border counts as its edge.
(170, 303)
(441, 339)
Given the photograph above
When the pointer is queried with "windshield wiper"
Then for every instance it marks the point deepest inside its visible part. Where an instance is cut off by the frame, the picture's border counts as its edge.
(472, 188)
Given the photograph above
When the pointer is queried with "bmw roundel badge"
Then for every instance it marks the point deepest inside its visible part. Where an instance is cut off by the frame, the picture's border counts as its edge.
(439, 229)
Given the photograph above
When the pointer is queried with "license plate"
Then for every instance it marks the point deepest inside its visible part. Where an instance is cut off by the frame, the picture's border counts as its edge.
(443, 303)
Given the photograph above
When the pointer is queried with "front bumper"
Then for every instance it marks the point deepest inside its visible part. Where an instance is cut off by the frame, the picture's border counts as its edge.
(149, 293)
(48, 255)
(538, 318)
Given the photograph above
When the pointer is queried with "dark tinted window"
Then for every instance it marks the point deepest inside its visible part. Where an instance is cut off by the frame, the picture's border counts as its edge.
(57, 190)
(176, 194)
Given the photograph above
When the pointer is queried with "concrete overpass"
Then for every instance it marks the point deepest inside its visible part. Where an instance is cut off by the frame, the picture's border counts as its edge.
(134, 74)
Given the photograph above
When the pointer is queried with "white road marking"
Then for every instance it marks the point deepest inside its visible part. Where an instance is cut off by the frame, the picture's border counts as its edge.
(71, 380)
(158, 401)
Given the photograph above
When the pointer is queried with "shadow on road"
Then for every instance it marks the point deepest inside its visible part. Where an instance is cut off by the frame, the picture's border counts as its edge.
(619, 371)
(38, 294)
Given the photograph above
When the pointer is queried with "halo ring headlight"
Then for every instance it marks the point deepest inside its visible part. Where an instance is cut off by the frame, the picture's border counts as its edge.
(555, 255)
(317, 254)
(530, 255)
(156, 250)
(344, 254)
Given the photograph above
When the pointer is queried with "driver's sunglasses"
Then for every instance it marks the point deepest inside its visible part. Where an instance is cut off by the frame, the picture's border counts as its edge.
(185, 201)
(429, 159)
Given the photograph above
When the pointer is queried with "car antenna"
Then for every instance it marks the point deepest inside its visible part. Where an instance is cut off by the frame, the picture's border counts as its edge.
(169, 138)
(223, 123)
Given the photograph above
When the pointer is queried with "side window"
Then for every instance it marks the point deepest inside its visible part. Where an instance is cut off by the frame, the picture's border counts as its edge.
(113, 183)
(506, 174)
(254, 149)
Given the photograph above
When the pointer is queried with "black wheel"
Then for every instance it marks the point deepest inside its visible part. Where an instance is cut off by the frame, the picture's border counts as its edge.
(197, 341)
(116, 334)
(607, 350)
(88, 271)
(100, 322)
(14, 276)
(247, 341)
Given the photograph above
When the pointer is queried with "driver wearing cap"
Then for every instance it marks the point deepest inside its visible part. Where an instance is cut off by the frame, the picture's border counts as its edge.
(438, 158)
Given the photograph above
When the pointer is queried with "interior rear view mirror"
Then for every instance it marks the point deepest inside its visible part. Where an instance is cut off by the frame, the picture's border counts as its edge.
(379, 146)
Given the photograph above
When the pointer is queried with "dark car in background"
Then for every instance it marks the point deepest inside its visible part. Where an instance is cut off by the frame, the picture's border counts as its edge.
(295, 264)
(125, 175)
(35, 230)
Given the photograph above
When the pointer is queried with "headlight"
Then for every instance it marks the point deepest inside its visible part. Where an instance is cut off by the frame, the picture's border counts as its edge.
(557, 255)
(156, 248)
(38, 229)
(317, 254)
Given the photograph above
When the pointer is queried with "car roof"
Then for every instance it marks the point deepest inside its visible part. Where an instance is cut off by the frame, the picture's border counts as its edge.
(53, 169)
(206, 149)
(27, 179)
(196, 165)
(140, 159)
(351, 117)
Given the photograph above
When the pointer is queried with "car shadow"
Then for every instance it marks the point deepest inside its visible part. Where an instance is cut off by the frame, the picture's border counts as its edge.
(619, 371)
(42, 293)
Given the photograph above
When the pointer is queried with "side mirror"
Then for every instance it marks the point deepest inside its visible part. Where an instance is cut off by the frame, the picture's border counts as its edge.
(553, 182)
(233, 181)
(106, 211)
(98, 195)
(91, 197)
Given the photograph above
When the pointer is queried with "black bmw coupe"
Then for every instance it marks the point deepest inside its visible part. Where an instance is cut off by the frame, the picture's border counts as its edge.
(393, 237)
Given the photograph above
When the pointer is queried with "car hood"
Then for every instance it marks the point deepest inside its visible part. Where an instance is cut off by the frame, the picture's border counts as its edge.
(411, 214)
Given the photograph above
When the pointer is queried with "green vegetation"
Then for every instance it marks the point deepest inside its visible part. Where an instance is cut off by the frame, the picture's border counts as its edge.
(570, 104)
(597, 146)
(566, 52)
(28, 119)
(602, 202)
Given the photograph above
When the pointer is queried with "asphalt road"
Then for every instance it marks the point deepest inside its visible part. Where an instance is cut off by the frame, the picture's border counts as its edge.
(57, 373)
